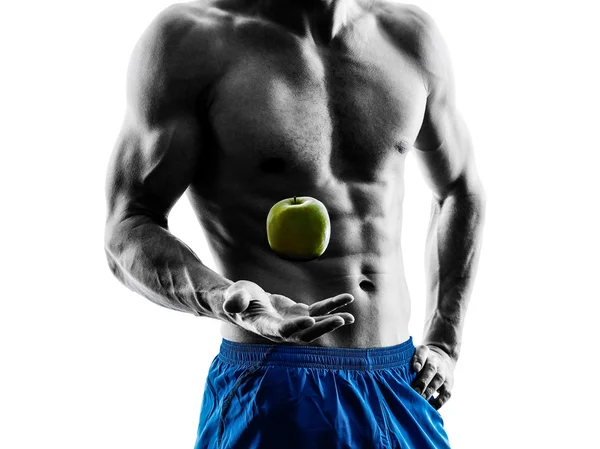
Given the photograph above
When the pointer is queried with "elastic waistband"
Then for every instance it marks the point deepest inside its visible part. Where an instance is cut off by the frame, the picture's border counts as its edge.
(250, 354)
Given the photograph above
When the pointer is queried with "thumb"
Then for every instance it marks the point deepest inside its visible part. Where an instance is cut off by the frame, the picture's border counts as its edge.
(420, 357)
(236, 300)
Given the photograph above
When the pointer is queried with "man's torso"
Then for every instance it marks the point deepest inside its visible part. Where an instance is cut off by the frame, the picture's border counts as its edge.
(287, 117)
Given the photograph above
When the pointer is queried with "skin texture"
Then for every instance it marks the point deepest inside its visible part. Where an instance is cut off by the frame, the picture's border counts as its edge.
(241, 104)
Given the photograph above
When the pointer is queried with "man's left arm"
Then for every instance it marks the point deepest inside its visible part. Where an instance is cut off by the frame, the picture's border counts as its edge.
(444, 152)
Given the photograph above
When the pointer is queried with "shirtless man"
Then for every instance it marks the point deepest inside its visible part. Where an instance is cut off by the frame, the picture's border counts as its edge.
(242, 103)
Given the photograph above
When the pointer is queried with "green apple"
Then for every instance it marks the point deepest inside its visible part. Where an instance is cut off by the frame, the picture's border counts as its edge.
(298, 228)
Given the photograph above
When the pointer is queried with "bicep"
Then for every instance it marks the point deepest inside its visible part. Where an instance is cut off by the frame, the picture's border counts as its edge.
(444, 152)
(443, 146)
(151, 167)
(157, 152)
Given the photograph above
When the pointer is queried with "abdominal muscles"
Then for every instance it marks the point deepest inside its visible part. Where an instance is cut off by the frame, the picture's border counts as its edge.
(363, 258)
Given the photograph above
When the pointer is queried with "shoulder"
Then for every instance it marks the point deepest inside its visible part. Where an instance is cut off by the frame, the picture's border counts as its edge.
(182, 29)
(179, 54)
(403, 17)
(416, 32)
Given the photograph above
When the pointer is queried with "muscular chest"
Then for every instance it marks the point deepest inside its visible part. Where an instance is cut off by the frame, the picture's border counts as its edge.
(298, 111)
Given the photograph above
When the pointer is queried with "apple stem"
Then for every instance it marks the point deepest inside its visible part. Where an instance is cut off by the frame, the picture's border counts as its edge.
(295, 200)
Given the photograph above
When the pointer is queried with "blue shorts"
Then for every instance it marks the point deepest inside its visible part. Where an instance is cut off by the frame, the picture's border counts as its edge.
(261, 396)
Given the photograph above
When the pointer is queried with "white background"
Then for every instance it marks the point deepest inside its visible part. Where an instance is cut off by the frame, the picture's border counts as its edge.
(89, 364)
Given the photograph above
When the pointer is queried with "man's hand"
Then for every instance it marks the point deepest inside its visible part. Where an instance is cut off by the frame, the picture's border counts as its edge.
(435, 374)
(281, 319)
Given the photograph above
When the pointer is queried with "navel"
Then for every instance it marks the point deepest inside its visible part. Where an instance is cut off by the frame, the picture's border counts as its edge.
(367, 285)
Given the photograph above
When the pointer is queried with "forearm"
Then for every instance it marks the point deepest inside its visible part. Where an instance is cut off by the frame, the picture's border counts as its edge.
(452, 254)
(151, 261)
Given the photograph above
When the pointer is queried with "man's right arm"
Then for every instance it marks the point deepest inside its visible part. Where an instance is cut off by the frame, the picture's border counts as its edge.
(157, 154)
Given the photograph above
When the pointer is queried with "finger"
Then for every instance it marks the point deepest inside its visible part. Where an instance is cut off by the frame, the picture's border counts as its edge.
(320, 329)
(236, 301)
(281, 302)
(424, 377)
(421, 354)
(442, 398)
(290, 327)
(348, 317)
(330, 304)
(434, 385)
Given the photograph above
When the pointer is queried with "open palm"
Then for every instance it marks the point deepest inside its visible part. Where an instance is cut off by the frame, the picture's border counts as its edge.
(279, 318)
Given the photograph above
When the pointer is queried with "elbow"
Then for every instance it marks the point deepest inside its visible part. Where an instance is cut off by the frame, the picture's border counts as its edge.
(109, 237)
(116, 233)
(477, 194)
(463, 189)
(111, 247)
(472, 204)
(474, 200)
(110, 256)
(467, 197)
